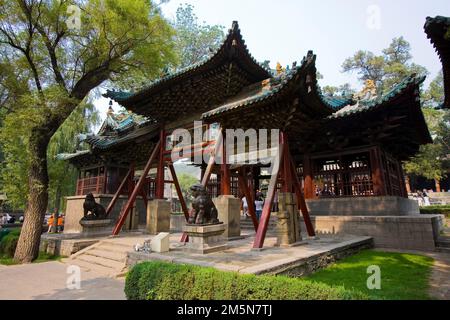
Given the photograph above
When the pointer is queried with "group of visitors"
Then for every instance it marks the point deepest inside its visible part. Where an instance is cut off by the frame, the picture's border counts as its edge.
(422, 198)
(8, 219)
(59, 223)
(259, 204)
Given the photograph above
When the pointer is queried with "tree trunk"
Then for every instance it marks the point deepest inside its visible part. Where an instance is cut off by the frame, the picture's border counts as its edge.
(28, 245)
(438, 185)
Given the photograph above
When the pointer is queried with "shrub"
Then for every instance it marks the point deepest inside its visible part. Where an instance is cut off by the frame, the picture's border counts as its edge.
(168, 281)
(8, 243)
(442, 209)
(3, 233)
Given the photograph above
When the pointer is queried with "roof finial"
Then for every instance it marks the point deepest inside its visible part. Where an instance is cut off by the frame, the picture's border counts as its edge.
(110, 111)
(280, 69)
(369, 91)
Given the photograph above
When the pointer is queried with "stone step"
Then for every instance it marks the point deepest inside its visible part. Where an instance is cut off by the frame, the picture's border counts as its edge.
(443, 249)
(114, 247)
(443, 242)
(113, 265)
(87, 266)
(107, 254)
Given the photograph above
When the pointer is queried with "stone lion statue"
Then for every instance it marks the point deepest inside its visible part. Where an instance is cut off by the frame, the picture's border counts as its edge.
(97, 211)
(203, 209)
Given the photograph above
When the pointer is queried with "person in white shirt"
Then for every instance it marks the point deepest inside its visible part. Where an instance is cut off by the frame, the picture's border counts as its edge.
(259, 203)
(245, 206)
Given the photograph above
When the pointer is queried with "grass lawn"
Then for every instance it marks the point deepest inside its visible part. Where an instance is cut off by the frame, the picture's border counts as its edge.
(43, 257)
(403, 276)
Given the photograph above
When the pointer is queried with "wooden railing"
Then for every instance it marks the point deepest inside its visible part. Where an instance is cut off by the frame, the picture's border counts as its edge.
(93, 185)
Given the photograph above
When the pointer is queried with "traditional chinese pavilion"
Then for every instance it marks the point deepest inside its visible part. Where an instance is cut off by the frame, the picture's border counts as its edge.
(438, 31)
(337, 153)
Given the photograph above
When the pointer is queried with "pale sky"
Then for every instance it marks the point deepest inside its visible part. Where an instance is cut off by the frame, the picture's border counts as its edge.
(284, 30)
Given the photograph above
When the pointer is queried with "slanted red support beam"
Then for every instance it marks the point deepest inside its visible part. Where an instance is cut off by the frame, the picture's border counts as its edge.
(264, 222)
(243, 184)
(119, 191)
(179, 192)
(136, 190)
(301, 203)
(208, 171)
(212, 161)
(159, 194)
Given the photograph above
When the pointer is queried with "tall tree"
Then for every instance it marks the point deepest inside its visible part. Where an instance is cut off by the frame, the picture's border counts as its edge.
(194, 41)
(65, 49)
(387, 69)
(432, 161)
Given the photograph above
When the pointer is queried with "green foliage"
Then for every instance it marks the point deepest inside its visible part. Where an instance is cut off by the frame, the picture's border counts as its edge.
(387, 69)
(343, 90)
(432, 160)
(48, 70)
(438, 209)
(403, 276)
(14, 137)
(167, 281)
(8, 243)
(194, 41)
(186, 180)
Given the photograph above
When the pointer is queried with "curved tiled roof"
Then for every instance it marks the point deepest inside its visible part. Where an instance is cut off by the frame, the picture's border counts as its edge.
(259, 68)
(366, 105)
(438, 31)
(274, 86)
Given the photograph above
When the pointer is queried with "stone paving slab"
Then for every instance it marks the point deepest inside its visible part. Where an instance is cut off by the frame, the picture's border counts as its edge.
(241, 258)
(48, 281)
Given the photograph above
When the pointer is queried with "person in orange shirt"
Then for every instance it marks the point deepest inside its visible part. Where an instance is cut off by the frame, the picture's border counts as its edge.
(60, 223)
(50, 223)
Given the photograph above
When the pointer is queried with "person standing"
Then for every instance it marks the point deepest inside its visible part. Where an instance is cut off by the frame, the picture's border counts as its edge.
(60, 226)
(259, 203)
(50, 222)
(426, 198)
(245, 206)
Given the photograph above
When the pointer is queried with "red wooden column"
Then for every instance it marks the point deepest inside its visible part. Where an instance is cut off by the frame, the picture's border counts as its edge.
(225, 180)
(379, 183)
(287, 174)
(401, 180)
(159, 192)
(308, 177)
(105, 179)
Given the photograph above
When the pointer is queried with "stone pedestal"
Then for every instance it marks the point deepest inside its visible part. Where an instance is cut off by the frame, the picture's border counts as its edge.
(74, 211)
(205, 239)
(158, 216)
(288, 228)
(161, 243)
(228, 208)
(92, 228)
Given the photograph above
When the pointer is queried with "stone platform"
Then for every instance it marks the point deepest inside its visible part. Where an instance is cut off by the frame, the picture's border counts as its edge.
(398, 232)
(308, 256)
